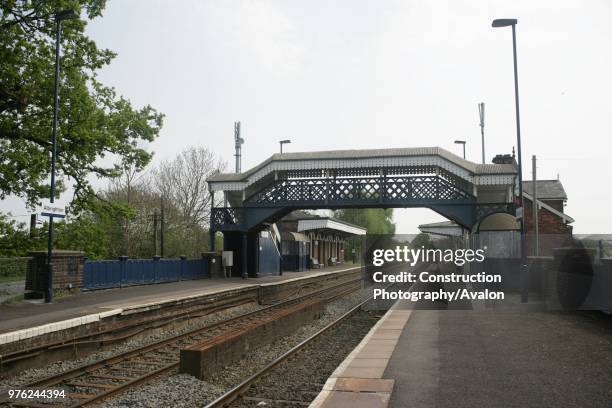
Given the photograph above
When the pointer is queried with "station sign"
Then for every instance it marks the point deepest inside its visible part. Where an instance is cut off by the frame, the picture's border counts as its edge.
(49, 209)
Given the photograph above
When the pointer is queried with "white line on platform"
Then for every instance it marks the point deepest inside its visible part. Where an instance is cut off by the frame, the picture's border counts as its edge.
(130, 309)
(56, 326)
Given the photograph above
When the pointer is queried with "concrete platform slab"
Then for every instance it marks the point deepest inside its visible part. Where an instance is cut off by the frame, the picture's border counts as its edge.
(359, 385)
(364, 367)
(369, 362)
(383, 342)
(506, 356)
(28, 320)
(502, 358)
(339, 399)
(386, 334)
(363, 372)
(375, 353)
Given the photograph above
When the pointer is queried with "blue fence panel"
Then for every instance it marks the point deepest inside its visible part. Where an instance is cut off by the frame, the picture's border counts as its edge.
(194, 269)
(138, 272)
(117, 273)
(168, 270)
(132, 275)
(101, 274)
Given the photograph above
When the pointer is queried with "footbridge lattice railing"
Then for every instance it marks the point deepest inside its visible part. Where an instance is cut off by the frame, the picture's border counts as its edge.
(285, 195)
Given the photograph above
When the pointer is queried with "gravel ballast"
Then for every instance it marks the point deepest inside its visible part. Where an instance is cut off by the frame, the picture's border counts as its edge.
(31, 375)
(300, 378)
(181, 390)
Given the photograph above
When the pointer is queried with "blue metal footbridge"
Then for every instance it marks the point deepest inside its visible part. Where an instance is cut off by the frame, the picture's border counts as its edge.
(430, 177)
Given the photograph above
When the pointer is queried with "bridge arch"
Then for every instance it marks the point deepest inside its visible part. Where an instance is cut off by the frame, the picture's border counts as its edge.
(498, 221)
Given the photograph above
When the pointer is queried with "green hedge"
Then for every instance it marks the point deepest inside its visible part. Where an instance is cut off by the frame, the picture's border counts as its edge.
(13, 268)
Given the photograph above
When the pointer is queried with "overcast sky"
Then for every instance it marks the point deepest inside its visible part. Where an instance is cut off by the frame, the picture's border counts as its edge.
(376, 74)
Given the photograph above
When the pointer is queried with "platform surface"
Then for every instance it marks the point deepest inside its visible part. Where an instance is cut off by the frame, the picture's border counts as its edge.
(23, 315)
(483, 357)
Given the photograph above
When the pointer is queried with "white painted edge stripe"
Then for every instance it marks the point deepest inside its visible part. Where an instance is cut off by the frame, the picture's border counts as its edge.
(56, 326)
(127, 309)
(314, 275)
(18, 335)
(158, 303)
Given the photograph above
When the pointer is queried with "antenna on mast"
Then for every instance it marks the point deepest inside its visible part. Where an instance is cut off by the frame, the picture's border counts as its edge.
(238, 141)
(481, 114)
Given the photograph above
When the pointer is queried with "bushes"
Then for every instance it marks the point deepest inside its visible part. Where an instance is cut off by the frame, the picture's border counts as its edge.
(13, 269)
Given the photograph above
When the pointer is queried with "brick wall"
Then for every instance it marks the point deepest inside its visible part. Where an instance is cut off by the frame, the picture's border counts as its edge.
(67, 270)
(553, 231)
(556, 204)
(548, 222)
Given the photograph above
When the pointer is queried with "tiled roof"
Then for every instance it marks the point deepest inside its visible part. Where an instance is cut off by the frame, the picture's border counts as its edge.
(372, 153)
(547, 189)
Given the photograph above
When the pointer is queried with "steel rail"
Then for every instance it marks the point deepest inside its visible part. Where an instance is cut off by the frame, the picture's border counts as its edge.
(233, 394)
(90, 368)
(101, 339)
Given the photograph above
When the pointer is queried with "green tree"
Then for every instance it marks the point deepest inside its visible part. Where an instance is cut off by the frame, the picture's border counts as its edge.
(93, 123)
(87, 232)
(422, 240)
(378, 223)
(14, 238)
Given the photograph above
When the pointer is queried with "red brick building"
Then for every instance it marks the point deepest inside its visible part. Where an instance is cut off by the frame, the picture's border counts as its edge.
(553, 224)
(551, 205)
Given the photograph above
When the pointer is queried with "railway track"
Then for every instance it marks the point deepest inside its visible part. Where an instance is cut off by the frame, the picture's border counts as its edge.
(91, 383)
(11, 361)
(248, 394)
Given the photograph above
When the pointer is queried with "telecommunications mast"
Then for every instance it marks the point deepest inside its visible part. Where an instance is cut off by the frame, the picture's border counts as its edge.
(238, 141)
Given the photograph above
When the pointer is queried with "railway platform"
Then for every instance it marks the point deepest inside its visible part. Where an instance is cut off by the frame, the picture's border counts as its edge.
(82, 313)
(511, 356)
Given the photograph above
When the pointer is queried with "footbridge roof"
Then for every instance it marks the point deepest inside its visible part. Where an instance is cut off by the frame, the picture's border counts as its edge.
(342, 162)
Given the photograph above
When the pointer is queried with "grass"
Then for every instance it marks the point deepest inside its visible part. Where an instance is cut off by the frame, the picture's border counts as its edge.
(15, 299)
(13, 269)
(10, 279)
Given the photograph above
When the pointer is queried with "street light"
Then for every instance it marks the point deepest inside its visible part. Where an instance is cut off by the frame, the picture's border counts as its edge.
(481, 116)
(282, 142)
(505, 22)
(59, 16)
(461, 142)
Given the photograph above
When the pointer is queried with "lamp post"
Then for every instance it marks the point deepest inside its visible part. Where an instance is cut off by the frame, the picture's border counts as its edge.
(461, 142)
(282, 142)
(59, 16)
(481, 116)
(505, 22)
